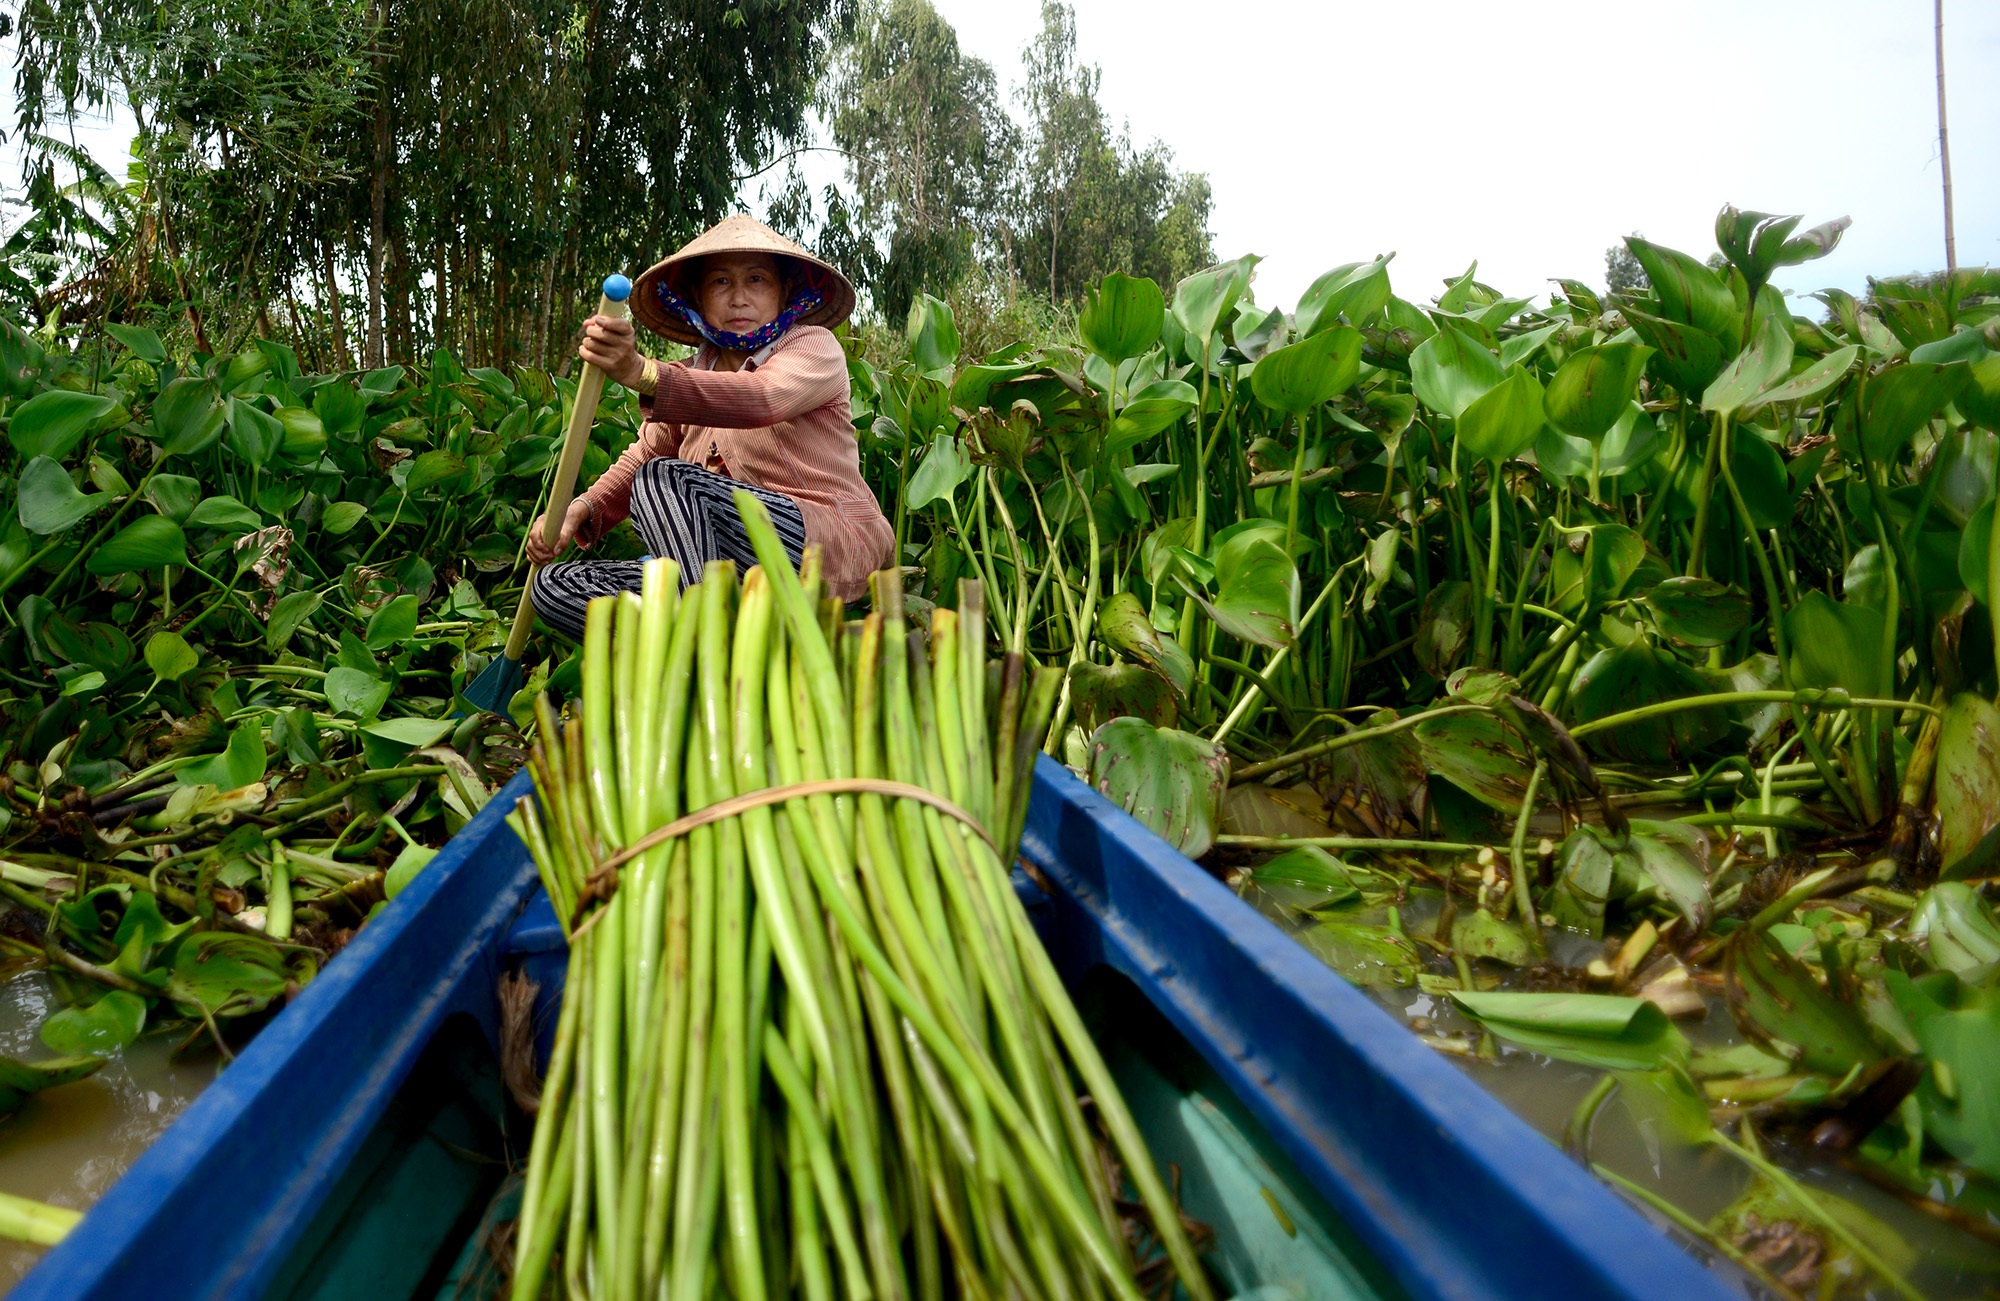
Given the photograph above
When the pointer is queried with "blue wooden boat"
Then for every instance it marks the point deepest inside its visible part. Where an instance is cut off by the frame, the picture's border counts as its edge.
(360, 1147)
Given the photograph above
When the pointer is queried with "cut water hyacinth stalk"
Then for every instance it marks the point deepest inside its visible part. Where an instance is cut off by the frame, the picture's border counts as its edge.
(809, 1043)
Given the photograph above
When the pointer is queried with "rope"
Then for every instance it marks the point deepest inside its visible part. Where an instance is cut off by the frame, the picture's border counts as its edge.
(602, 881)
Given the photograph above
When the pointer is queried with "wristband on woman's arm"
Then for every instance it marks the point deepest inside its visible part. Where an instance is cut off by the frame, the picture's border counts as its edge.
(649, 377)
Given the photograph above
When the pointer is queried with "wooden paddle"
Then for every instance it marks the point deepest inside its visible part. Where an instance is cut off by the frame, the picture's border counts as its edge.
(502, 678)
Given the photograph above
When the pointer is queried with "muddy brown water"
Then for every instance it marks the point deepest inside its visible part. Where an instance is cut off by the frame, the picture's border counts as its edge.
(68, 1145)
(1939, 1261)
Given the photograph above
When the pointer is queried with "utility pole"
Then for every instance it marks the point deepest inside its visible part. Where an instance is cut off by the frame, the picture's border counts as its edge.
(1944, 147)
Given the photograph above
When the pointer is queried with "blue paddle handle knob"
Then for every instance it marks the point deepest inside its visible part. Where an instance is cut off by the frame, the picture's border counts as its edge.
(617, 288)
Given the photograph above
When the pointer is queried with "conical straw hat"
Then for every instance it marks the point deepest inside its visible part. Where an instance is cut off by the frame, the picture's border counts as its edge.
(737, 234)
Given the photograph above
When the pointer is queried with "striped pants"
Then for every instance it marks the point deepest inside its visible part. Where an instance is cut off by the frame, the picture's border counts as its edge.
(685, 513)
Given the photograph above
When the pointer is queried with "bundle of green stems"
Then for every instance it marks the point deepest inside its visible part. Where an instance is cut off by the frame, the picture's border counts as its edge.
(811, 1046)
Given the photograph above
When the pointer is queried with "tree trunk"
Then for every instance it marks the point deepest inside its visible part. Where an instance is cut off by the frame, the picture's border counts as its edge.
(542, 310)
(335, 322)
(401, 345)
(1944, 147)
(378, 244)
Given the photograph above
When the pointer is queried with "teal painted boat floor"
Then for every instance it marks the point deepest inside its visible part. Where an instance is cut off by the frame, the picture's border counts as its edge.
(426, 1210)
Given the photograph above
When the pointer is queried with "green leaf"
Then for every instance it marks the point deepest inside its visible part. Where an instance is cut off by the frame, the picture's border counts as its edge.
(49, 501)
(241, 762)
(254, 435)
(1901, 400)
(382, 383)
(1780, 1004)
(54, 421)
(1959, 1032)
(410, 861)
(1958, 928)
(412, 732)
(1480, 756)
(84, 683)
(1760, 476)
(1979, 400)
(1103, 692)
(1835, 644)
(1444, 627)
(1683, 356)
(1451, 369)
(1757, 243)
(1975, 556)
(1171, 781)
(1356, 292)
(19, 1079)
(149, 543)
(1306, 877)
(1124, 625)
(170, 657)
(932, 334)
(1593, 389)
(174, 495)
(1300, 376)
(938, 476)
(1257, 590)
(1766, 362)
(432, 468)
(1479, 934)
(1149, 411)
(1619, 678)
(1688, 292)
(1373, 957)
(1519, 349)
(341, 517)
(1672, 857)
(224, 513)
(1620, 1034)
(1205, 299)
(1122, 316)
(288, 615)
(1968, 787)
(186, 417)
(225, 972)
(1813, 380)
(340, 407)
(305, 436)
(1699, 611)
(139, 341)
(355, 693)
(393, 624)
(1502, 423)
(100, 1029)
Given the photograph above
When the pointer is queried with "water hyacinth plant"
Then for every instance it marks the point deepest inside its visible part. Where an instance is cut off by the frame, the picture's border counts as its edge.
(1633, 649)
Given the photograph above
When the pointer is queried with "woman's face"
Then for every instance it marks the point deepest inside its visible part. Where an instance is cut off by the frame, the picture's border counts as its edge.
(740, 291)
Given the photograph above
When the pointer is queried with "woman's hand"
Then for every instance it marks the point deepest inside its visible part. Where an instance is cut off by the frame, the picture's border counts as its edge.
(609, 344)
(539, 551)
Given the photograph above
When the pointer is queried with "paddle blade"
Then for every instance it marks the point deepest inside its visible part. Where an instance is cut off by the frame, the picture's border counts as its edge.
(494, 687)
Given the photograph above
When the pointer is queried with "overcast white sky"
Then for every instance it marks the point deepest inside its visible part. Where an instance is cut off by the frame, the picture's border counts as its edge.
(1531, 135)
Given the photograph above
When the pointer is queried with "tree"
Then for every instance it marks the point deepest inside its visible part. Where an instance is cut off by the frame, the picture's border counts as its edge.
(1623, 275)
(928, 146)
(441, 174)
(1088, 202)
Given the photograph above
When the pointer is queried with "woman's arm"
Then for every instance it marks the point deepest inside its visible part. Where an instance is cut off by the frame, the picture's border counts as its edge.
(803, 375)
(610, 497)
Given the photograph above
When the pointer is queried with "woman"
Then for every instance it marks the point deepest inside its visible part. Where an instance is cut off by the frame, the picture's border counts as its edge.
(762, 405)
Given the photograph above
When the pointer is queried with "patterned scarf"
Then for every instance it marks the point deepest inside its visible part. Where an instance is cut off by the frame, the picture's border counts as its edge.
(723, 339)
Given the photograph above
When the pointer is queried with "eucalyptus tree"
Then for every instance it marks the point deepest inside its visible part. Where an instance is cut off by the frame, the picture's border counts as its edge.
(1087, 201)
(928, 144)
(383, 177)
